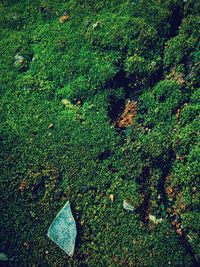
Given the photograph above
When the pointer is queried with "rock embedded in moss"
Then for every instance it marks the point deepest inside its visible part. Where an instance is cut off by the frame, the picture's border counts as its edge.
(63, 230)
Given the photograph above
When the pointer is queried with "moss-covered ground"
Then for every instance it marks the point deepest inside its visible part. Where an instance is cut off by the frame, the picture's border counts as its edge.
(69, 70)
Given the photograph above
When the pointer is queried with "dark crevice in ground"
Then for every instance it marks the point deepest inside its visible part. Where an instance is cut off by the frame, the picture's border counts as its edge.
(165, 166)
(176, 20)
(116, 105)
(143, 181)
(116, 108)
(120, 80)
(105, 155)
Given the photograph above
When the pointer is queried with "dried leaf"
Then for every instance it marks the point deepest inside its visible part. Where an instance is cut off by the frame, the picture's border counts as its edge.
(111, 197)
(154, 219)
(127, 206)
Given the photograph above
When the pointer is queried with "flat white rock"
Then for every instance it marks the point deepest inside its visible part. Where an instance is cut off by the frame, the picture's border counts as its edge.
(63, 230)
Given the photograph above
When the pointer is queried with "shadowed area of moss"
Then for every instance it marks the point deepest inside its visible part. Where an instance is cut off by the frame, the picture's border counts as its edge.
(69, 70)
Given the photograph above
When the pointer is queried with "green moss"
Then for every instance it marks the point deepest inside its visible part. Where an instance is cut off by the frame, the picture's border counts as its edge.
(59, 139)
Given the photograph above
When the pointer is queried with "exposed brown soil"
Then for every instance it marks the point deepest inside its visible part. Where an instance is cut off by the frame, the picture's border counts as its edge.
(127, 116)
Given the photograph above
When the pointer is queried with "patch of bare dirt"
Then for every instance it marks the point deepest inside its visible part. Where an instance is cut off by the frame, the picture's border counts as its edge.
(127, 116)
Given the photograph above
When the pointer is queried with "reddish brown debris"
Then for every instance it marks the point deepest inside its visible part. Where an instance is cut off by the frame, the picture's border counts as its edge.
(178, 113)
(26, 245)
(64, 18)
(127, 116)
(171, 192)
(23, 185)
